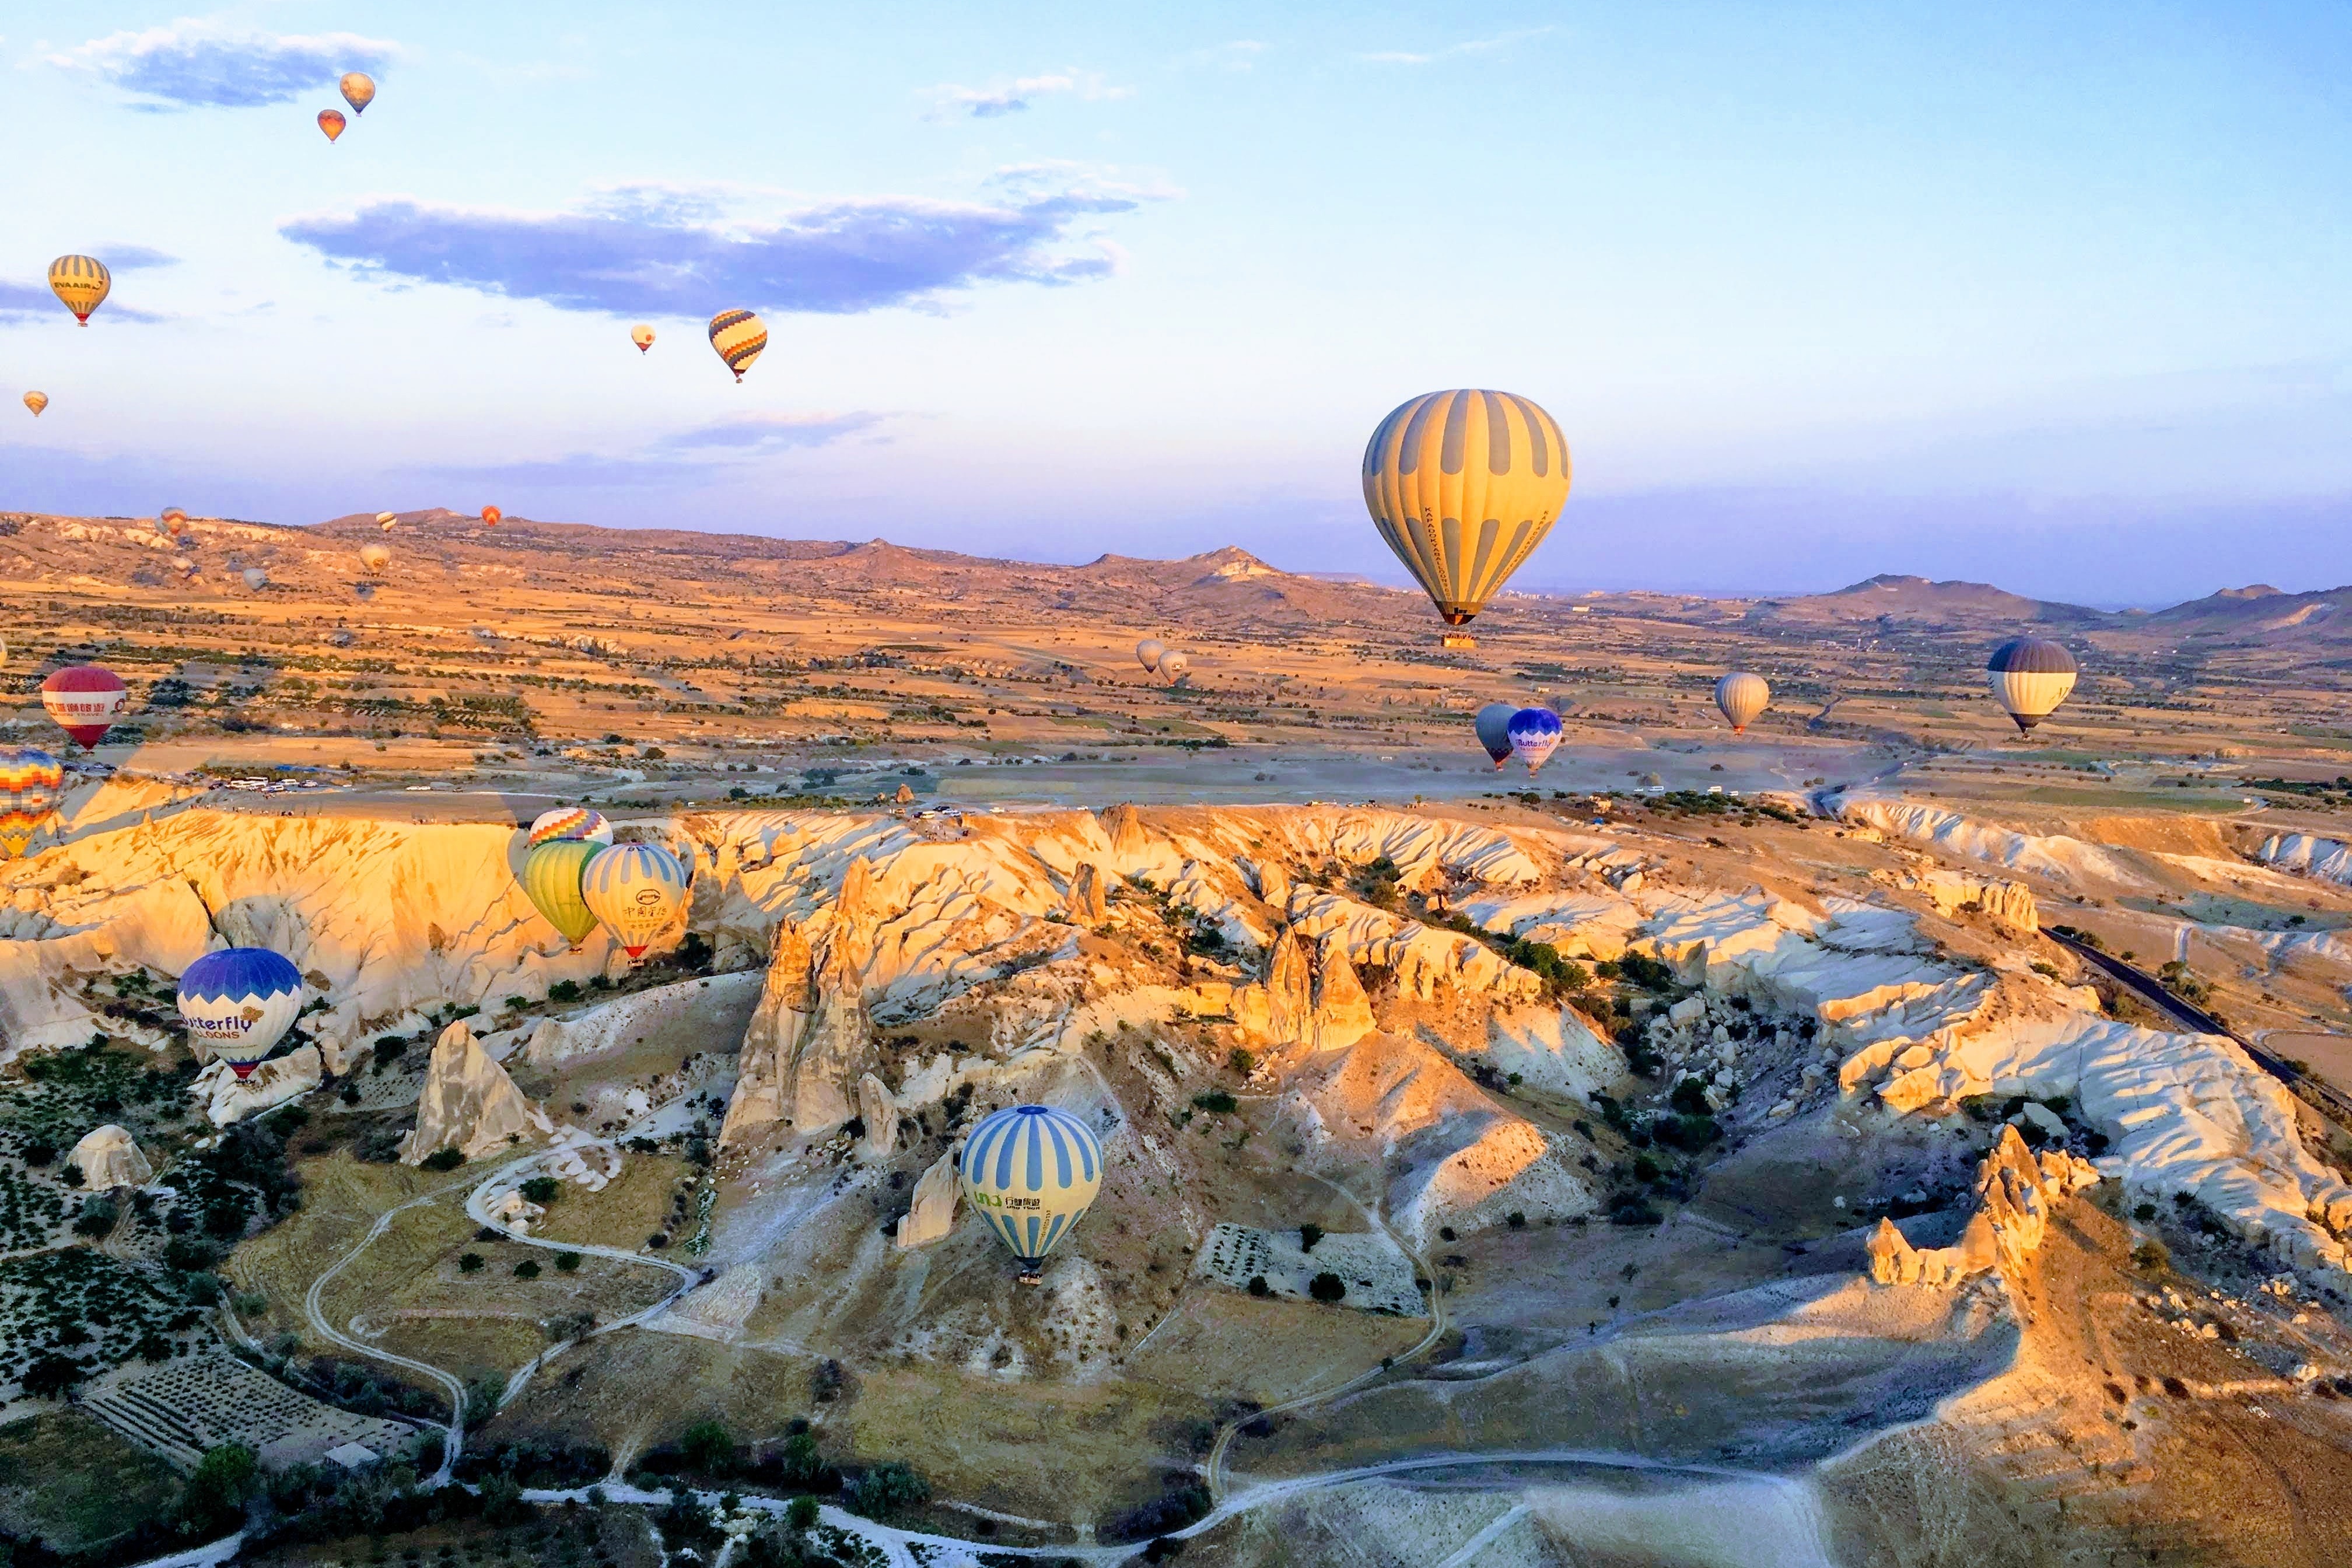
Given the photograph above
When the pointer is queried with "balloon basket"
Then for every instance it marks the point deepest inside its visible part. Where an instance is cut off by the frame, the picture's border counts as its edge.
(1032, 1276)
(1457, 640)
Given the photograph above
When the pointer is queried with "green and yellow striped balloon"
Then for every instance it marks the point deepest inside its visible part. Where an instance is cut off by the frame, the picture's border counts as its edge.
(1464, 485)
(82, 283)
(551, 877)
(739, 336)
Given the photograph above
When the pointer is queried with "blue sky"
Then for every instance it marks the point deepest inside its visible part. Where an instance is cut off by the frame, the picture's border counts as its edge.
(2048, 295)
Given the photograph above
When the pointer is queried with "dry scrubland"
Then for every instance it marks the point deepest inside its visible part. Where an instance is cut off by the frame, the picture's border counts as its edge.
(1775, 1185)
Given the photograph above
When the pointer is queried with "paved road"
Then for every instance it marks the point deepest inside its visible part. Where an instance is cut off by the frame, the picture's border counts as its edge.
(2322, 1095)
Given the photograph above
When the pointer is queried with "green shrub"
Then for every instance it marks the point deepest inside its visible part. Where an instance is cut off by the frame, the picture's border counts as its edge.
(447, 1159)
(470, 1263)
(1308, 1234)
(887, 1489)
(542, 1189)
(1326, 1287)
(567, 1262)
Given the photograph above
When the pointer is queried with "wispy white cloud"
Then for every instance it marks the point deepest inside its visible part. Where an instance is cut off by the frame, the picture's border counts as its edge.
(951, 102)
(1240, 54)
(205, 63)
(1495, 45)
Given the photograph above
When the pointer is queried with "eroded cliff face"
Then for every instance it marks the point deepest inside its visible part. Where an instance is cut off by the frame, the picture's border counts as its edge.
(469, 1104)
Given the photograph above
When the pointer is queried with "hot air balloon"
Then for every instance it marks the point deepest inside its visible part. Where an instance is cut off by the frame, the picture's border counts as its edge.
(636, 889)
(2031, 675)
(30, 783)
(1494, 725)
(82, 283)
(84, 698)
(359, 90)
(491, 517)
(1031, 1172)
(570, 822)
(375, 558)
(1464, 485)
(738, 336)
(1175, 666)
(385, 519)
(642, 336)
(1534, 736)
(1742, 696)
(240, 1002)
(1148, 653)
(550, 877)
(331, 122)
(255, 578)
(174, 521)
(36, 401)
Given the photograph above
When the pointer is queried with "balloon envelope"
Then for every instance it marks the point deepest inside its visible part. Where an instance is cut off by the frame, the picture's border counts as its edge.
(82, 283)
(240, 1002)
(1742, 695)
(642, 336)
(175, 522)
(570, 822)
(1464, 485)
(1031, 1172)
(636, 889)
(1148, 652)
(375, 558)
(738, 336)
(331, 122)
(359, 90)
(84, 700)
(492, 517)
(385, 519)
(1175, 666)
(550, 877)
(1494, 726)
(255, 578)
(30, 783)
(36, 401)
(2031, 675)
(1534, 736)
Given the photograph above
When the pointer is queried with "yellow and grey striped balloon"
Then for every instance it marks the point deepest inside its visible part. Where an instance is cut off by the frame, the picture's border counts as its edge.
(359, 90)
(1742, 695)
(82, 283)
(1464, 485)
(739, 336)
(2031, 675)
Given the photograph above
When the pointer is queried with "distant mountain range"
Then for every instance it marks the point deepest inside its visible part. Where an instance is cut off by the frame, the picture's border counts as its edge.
(2259, 612)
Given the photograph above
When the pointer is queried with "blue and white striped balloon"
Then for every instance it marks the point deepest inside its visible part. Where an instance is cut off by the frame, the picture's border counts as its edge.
(1031, 1172)
(240, 1002)
(636, 889)
(1534, 736)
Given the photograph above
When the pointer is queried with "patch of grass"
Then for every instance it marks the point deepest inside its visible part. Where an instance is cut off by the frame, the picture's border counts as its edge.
(68, 1481)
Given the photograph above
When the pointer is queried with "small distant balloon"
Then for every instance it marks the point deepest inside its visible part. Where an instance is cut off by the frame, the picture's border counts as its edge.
(36, 401)
(1534, 736)
(1742, 695)
(1494, 726)
(81, 283)
(30, 783)
(1175, 666)
(738, 336)
(331, 122)
(1148, 652)
(255, 578)
(175, 522)
(375, 558)
(2031, 675)
(385, 519)
(359, 90)
(491, 517)
(642, 336)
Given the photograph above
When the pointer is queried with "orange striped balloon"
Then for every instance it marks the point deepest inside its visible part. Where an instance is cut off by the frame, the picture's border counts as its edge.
(331, 122)
(738, 336)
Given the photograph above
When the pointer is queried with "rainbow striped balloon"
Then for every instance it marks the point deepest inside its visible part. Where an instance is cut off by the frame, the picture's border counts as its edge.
(30, 783)
(570, 822)
(1032, 1171)
(739, 336)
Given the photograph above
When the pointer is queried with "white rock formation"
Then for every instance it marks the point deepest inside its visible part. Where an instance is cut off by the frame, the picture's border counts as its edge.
(513, 1212)
(718, 1005)
(88, 928)
(2014, 1195)
(2008, 904)
(2308, 855)
(107, 1157)
(272, 1084)
(1086, 905)
(835, 1048)
(933, 1215)
(880, 1115)
(470, 1103)
(1593, 923)
(2051, 854)
(771, 1041)
(1425, 960)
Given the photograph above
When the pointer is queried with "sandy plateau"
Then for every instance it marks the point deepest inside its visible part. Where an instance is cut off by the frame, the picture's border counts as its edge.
(1869, 1142)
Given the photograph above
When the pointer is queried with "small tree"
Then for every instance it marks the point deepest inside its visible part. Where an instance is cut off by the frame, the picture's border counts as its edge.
(802, 1512)
(567, 1262)
(1308, 1234)
(887, 1489)
(542, 1189)
(445, 1158)
(470, 1263)
(709, 1447)
(1327, 1288)
(51, 1375)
